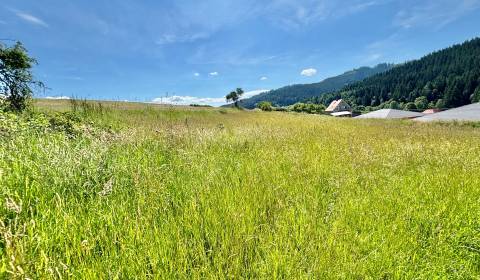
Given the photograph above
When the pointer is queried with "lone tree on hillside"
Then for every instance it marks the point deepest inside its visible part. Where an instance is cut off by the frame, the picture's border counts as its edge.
(234, 96)
(16, 79)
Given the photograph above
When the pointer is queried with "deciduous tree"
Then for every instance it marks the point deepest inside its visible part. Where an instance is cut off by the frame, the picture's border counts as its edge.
(16, 79)
(234, 96)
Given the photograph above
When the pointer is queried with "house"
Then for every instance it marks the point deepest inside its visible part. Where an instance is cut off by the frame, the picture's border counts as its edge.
(431, 111)
(465, 113)
(338, 106)
(390, 114)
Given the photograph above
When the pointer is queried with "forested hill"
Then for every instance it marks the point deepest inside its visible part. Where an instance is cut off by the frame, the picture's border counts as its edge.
(291, 94)
(443, 79)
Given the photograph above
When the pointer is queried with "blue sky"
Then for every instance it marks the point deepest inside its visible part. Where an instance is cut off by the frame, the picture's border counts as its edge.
(197, 51)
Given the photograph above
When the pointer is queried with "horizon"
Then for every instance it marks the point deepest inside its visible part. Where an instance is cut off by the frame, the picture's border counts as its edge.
(195, 53)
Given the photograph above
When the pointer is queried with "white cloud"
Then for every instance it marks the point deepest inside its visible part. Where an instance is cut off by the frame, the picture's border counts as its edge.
(214, 74)
(187, 38)
(187, 100)
(30, 18)
(249, 94)
(263, 78)
(57, 97)
(196, 74)
(436, 13)
(292, 14)
(310, 72)
(212, 101)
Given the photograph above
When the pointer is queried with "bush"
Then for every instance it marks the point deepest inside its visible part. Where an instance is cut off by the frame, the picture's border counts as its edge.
(410, 106)
(440, 104)
(68, 123)
(394, 105)
(308, 108)
(265, 106)
(421, 103)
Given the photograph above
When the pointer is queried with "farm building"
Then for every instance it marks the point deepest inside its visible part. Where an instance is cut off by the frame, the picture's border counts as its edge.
(338, 106)
(466, 113)
(390, 114)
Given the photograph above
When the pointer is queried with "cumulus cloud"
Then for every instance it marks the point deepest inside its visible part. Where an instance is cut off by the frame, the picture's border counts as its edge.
(187, 100)
(212, 101)
(310, 72)
(58, 97)
(196, 74)
(263, 78)
(213, 74)
(30, 18)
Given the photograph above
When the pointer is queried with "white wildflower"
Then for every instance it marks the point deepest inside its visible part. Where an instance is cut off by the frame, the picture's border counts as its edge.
(107, 188)
(13, 206)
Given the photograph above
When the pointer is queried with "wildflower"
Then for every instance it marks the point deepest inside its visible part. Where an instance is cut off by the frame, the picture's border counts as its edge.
(13, 206)
(107, 188)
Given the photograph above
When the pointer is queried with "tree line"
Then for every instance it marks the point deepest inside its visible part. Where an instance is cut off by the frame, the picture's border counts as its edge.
(292, 94)
(444, 79)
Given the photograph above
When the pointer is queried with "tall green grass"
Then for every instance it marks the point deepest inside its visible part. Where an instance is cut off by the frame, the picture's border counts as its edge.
(211, 193)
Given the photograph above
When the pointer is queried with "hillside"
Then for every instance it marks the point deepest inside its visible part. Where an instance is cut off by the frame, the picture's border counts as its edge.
(291, 94)
(443, 79)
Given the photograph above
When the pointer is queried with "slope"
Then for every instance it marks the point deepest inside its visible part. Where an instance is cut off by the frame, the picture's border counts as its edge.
(444, 79)
(295, 93)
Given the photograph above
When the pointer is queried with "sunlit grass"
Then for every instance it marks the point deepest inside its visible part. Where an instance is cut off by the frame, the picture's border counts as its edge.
(215, 193)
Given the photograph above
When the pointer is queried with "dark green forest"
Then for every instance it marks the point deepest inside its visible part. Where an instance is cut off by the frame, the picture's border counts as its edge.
(444, 79)
(292, 94)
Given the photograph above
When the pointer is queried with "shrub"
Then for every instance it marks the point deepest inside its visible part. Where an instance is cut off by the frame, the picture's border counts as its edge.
(421, 103)
(410, 106)
(309, 108)
(265, 106)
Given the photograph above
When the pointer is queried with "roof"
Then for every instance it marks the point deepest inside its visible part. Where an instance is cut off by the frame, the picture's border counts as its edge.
(390, 114)
(466, 113)
(333, 105)
(340, 114)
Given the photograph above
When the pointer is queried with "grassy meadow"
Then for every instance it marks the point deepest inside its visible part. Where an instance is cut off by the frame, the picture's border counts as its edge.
(130, 191)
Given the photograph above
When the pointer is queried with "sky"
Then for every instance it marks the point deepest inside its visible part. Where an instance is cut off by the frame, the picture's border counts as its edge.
(190, 51)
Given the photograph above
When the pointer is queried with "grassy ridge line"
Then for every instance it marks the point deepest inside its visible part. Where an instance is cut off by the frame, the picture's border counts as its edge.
(219, 194)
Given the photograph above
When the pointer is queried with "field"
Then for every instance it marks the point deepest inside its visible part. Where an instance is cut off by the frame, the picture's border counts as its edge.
(135, 191)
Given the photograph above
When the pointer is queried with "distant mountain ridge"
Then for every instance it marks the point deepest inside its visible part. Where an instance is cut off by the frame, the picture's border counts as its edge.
(443, 79)
(296, 93)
